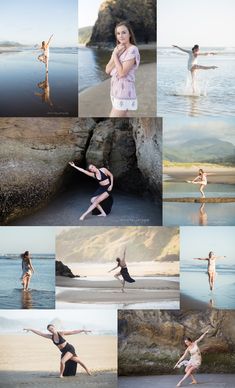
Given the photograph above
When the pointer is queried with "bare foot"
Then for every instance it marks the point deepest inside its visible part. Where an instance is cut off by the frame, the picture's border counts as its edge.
(178, 385)
(89, 373)
(123, 290)
(82, 218)
(193, 382)
(102, 215)
(61, 376)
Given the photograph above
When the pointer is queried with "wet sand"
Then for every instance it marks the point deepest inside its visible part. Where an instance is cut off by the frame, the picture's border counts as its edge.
(31, 361)
(188, 303)
(204, 381)
(95, 101)
(221, 174)
(109, 292)
(67, 207)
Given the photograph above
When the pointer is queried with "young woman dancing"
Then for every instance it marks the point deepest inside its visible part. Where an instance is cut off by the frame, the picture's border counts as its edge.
(201, 180)
(211, 268)
(193, 61)
(124, 62)
(195, 359)
(123, 272)
(105, 180)
(67, 350)
(44, 57)
(27, 270)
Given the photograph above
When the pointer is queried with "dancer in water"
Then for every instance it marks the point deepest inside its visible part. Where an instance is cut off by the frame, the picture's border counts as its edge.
(123, 272)
(211, 269)
(44, 57)
(105, 180)
(124, 62)
(201, 180)
(45, 95)
(67, 350)
(195, 359)
(193, 62)
(27, 270)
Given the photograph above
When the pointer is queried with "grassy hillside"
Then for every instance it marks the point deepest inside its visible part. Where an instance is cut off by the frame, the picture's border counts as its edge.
(84, 34)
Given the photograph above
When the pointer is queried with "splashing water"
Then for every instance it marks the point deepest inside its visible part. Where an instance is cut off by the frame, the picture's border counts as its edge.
(192, 87)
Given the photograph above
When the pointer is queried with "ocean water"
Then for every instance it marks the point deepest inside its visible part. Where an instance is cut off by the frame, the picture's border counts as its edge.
(176, 213)
(92, 62)
(216, 88)
(223, 295)
(41, 294)
(22, 76)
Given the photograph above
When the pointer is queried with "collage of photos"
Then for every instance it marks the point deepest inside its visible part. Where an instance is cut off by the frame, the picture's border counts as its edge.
(117, 194)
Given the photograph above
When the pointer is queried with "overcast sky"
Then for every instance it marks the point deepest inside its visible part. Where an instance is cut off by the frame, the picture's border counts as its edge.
(199, 241)
(35, 239)
(32, 21)
(203, 22)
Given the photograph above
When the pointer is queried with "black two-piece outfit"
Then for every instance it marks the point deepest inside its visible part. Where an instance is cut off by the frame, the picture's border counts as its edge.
(70, 365)
(126, 276)
(108, 202)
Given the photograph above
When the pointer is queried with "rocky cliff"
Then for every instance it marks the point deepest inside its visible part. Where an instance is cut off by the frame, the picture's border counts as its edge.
(151, 341)
(141, 14)
(35, 152)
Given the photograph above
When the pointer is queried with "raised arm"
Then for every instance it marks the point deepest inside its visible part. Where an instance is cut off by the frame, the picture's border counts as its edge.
(181, 358)
(110, 175)
(91, 174)
(71, 332)
(181, 49)
(124, 254)
(49, 336)
(220, 257)
(31, 265)
(195, 179)
(49, 39)
(202, 336)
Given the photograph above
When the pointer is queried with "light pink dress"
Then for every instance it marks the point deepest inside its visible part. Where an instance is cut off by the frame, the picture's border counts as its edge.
(123, 94)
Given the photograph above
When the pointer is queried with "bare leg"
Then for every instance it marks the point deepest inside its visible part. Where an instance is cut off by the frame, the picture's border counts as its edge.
(212, 281)
(187, 374)
(123, 285)
(76, 359)
(193, 74)
(99, 199)
(117, 277)
(99, 207)
(63, 360)
(201, 191)
(28, 278)
(118, 113)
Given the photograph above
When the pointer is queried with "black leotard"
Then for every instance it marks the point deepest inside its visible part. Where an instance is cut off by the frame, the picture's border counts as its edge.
(61, 340)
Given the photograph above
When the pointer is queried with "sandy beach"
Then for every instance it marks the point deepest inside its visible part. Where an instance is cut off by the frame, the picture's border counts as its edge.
(95, 101)
(220, 174)
(204, 381)
(31, 361)
(188, 303)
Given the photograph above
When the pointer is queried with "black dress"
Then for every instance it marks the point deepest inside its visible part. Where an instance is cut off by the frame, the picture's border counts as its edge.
(126, 276)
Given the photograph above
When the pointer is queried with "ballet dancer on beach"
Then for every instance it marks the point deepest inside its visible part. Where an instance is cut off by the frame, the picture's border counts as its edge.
(44, 57)
(201, 180)
(105, 180)
(27, 270)
(121, 263)
(195, 360)
(67, 350)
(193, 62)
(123, 63)
(211, 268)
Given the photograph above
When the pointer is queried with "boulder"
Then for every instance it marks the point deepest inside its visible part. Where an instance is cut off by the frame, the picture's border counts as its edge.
(64, 270)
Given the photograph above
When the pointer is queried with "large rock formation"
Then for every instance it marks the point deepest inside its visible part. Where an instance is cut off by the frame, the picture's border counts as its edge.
(63, 270)
(141, 14)
(151, 341)
(35, 152)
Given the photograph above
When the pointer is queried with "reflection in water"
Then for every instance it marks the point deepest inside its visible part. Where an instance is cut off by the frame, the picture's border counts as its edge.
(26, 302)
(45, 86)
(202, 215)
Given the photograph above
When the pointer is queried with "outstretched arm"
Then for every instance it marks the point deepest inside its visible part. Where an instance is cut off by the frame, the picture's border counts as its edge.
(208, 53)
(200, 258)
(71, 332)
(220, 257)
(49, 336)
(181, 358)
(202, 336)
(113, 268)
(181, 49)
(49, 40)
(91, 174)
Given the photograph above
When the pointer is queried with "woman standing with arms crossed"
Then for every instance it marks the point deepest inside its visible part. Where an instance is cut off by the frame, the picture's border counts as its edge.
(124, 62)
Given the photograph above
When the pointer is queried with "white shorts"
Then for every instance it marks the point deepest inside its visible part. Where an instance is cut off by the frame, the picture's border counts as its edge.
(124, 104)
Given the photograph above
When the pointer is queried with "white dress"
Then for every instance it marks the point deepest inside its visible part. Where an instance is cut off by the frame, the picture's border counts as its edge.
(195, 358)
(192, 60)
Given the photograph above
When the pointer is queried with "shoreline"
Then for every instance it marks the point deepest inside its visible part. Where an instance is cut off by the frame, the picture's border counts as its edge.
(99, 95)
(221, 174)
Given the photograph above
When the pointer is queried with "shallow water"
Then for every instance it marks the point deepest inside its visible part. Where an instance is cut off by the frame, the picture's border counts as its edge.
(217, 88)
(41, 294)
(223, 295)
(163, 305)
(92, 62)
(178, 213)
(22, 75)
